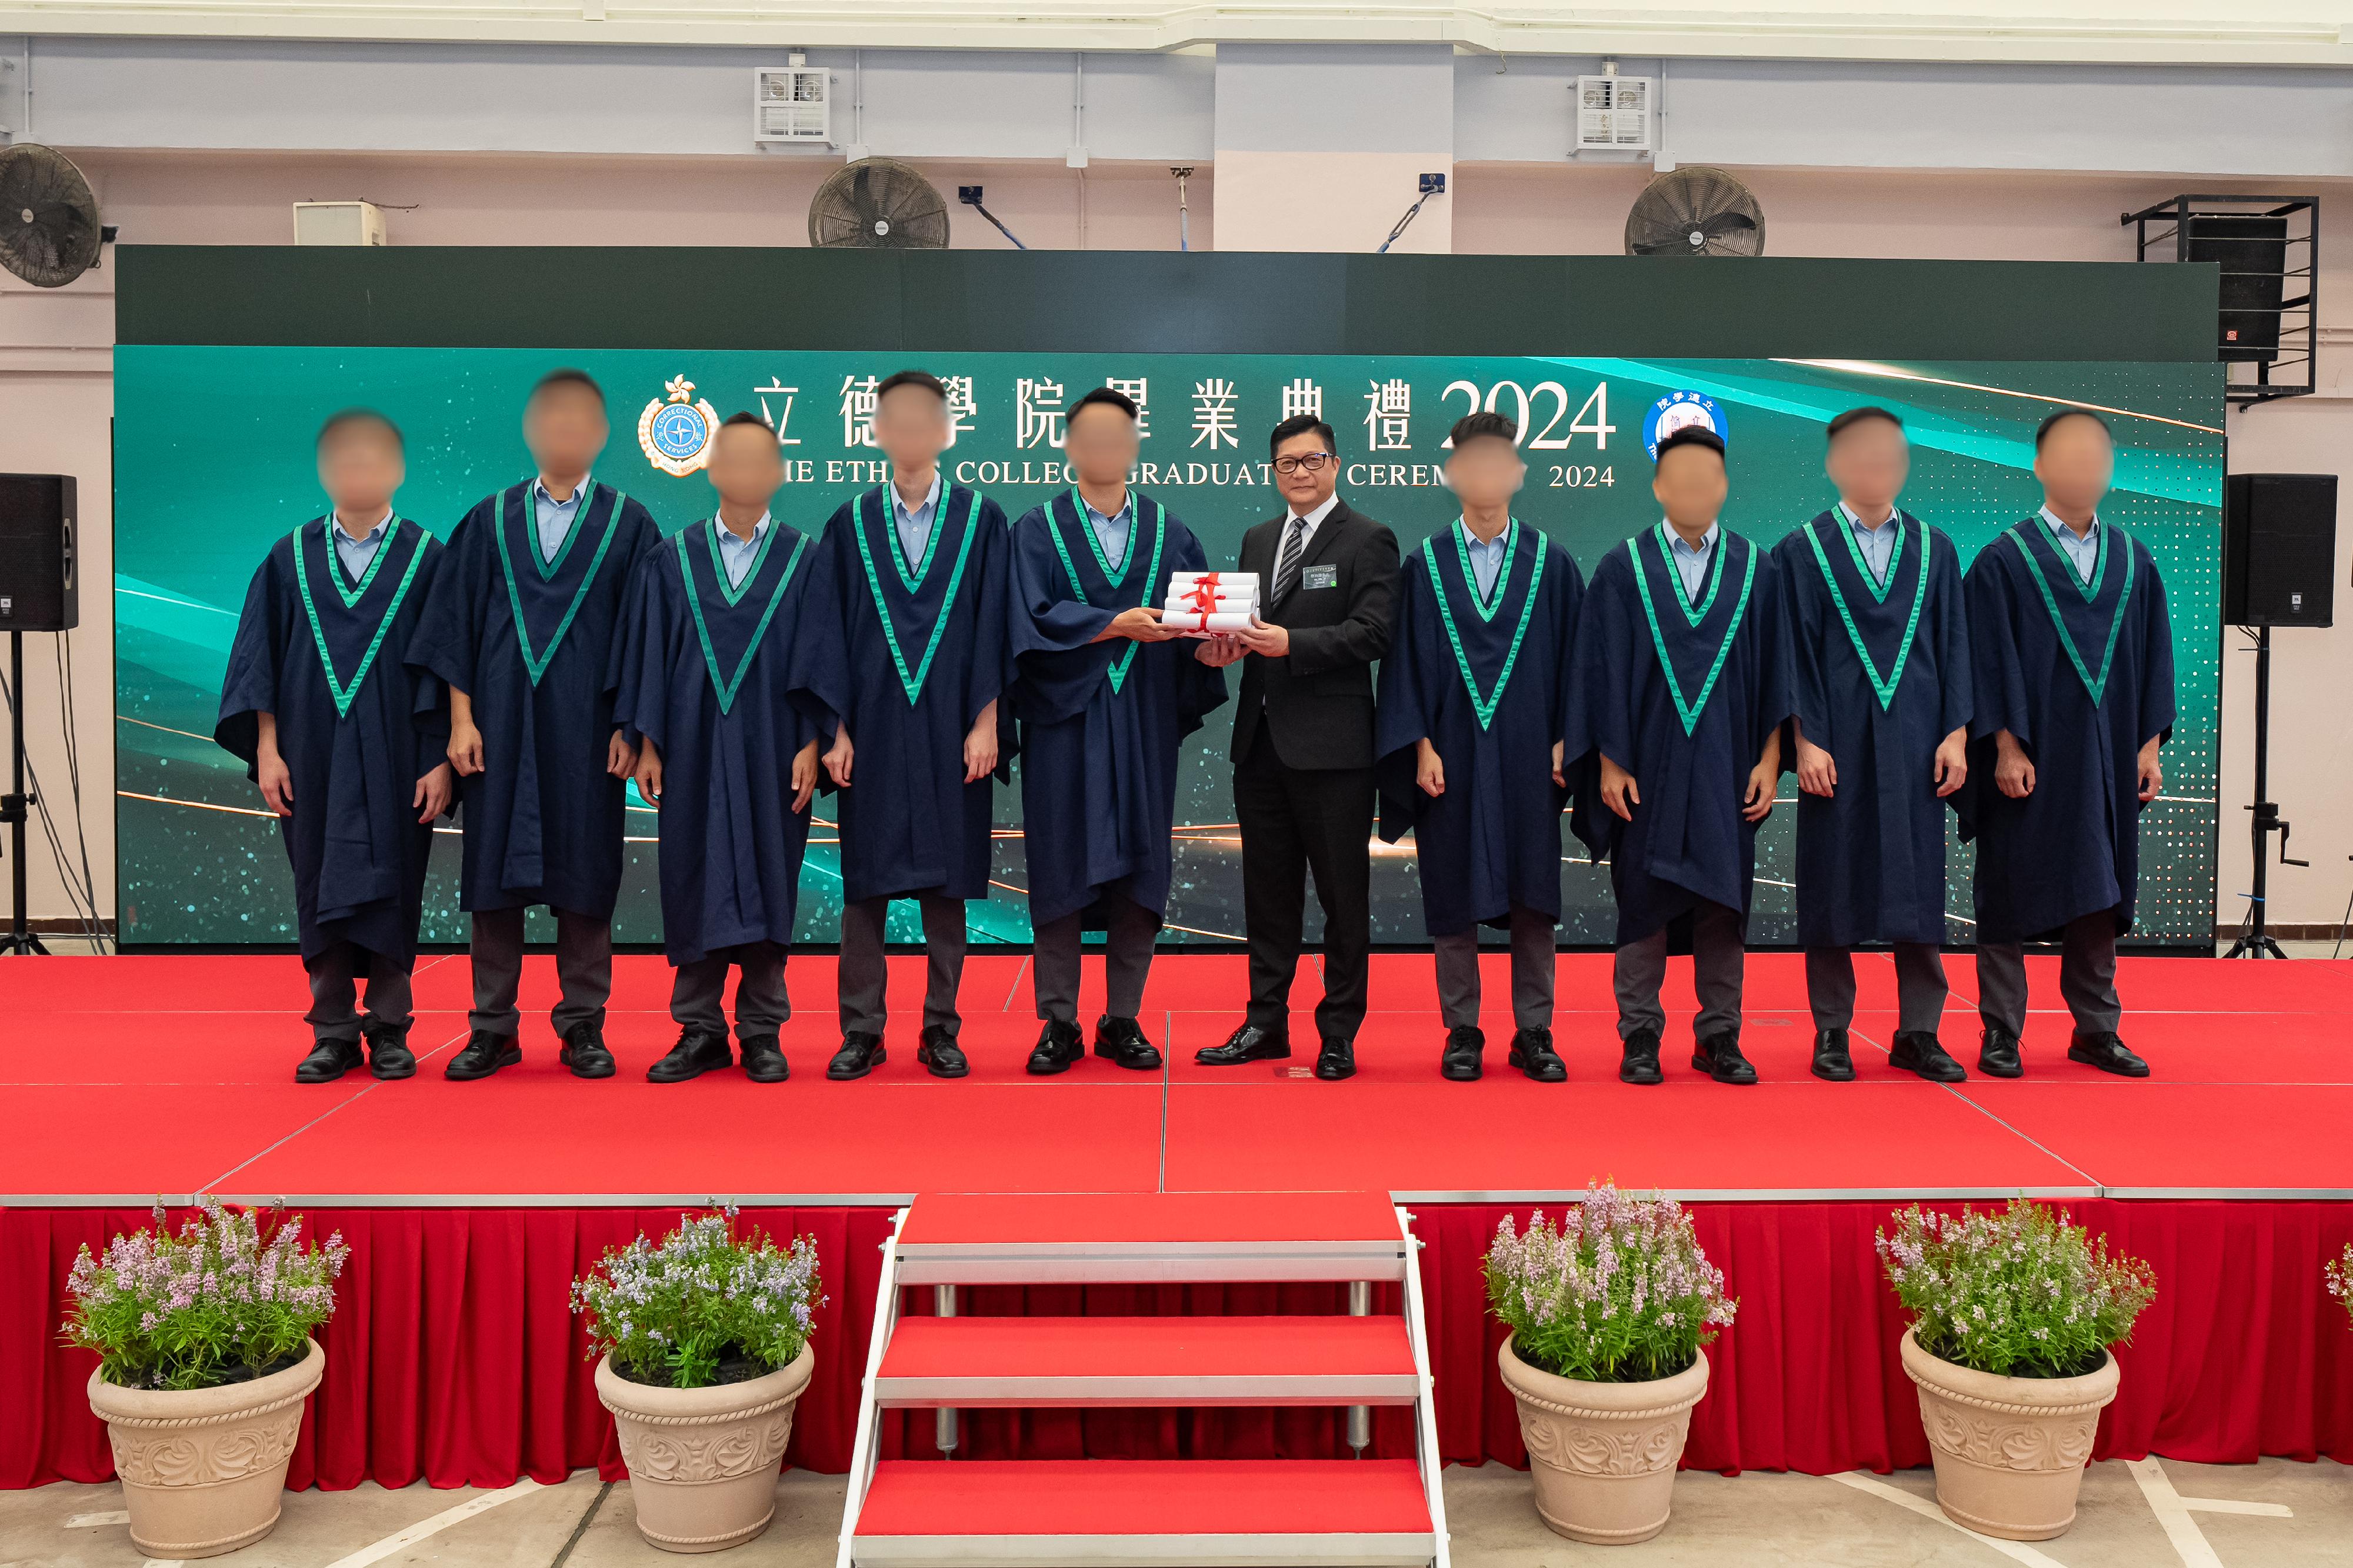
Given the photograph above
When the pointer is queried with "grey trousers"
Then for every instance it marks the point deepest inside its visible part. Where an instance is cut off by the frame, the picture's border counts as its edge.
(698, 992)
(864, 974)
(1719, 955)
(1920, 987)
(333, 976)
(1127, 960)
(1533, 957)
(2087, 977)
(584, 969)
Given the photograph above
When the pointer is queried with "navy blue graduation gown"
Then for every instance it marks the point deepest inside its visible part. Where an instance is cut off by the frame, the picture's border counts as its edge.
(1486, 692)
(1871, 858)
(926, 651)
(356, 727)
(1100, 721)
(2072, 846)
(728, 693)
(1690, 740)
(543, 818)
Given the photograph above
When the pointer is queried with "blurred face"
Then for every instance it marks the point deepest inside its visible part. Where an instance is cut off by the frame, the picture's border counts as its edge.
(1305, 471)
(1869, 463)
(1690, 485)
(564, 427)
(745, 465)
(359, 468)
(1486, 473)
(2076, 464)
(1100, 443)
(911, 423)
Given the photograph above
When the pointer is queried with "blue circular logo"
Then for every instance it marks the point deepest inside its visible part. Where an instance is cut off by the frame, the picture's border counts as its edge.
(679, 432)
(1680, 411)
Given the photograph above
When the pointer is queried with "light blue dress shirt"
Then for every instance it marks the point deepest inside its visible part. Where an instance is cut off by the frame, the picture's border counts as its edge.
(737, 554)
(2084, 553)
(554, 517)
(1486, 559)
(915, 525)
(1877, 544)
(1690, 561)
(355, 553)
(1112, 532)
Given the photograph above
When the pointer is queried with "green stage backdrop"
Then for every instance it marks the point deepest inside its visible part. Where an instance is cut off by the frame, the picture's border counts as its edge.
(215, 462)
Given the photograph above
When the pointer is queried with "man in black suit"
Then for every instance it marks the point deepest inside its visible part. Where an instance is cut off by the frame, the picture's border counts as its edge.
(1303, 746)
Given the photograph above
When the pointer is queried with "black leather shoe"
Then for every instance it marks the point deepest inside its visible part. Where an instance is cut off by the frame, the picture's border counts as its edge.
(1124, 1044)
(1461, 1059)
(1060, 1046)
(584, 1052)
(1832, 1061)
(1248, 1044)
(1719, 1057)
(1917, 1051)
(859, 1054)
(1998, 1055)
(484, 1054)
(388, 1054)
(2107, 1053)
(763, 1060)
(698, 1051)
(328, 1060)
(1641, 1063)
(1336, 1060)
(940, 1055)
(1532, 1053)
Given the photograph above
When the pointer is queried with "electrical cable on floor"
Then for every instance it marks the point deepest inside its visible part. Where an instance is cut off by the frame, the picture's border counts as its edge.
(83, 898)
(73, 769)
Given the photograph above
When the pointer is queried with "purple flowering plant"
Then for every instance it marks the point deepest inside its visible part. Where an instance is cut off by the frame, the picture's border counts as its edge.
(703, 1306)
(2340, 1275)
(2020, 1291)
(1618, 1291)
(233, 1295)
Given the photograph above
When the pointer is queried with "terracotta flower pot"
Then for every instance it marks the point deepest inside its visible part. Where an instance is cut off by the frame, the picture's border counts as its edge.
(204, 1470)
(1603, 1455)
(2009, 1451)
(702, 1461)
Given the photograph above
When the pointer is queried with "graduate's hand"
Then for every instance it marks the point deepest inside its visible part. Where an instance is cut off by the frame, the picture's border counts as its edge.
(1260, 637)
(1817, 769)
(838, 758)
(1429, 769)
(465, 747)
(1952, 762)
(1141, 623)
(650, 775)
(1219, 650)
(2152, 772)
(620, 757)
(1756, 804)
(1619, 791)
(804, 777)
(433, 790)
(277, 781)
(1560, 764)
(980, 746)
(2013, 771)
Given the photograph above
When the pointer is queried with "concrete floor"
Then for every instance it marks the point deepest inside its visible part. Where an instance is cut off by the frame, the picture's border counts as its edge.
(1749, 1521)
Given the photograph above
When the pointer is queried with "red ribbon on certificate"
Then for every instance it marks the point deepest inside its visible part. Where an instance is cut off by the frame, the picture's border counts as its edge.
(1204, 597)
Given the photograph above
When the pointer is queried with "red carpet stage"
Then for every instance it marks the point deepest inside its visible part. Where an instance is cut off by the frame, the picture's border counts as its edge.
(471, 1207)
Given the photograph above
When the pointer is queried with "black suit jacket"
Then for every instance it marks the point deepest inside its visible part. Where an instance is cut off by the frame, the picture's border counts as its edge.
(1317, 701)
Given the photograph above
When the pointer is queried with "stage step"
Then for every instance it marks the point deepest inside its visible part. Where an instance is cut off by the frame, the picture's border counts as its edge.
(1190, 1360)
(975, 1239)
(1121, 1511)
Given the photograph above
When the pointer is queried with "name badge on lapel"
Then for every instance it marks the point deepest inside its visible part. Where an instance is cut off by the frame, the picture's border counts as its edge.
(1320, 577)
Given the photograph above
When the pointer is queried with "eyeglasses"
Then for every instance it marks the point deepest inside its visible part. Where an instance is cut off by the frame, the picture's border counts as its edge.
(1305, 462)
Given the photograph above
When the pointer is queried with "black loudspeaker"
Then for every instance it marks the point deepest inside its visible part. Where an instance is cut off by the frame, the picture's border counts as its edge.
(2279, 550)
(2252, 250)
(40, 583)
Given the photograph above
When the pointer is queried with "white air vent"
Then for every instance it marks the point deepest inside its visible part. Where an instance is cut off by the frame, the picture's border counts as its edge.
(788, 104)
(1613, 113)
(338, 222)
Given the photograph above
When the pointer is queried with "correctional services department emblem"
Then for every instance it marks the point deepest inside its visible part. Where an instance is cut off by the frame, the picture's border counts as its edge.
(1681, 410)
(675, 433)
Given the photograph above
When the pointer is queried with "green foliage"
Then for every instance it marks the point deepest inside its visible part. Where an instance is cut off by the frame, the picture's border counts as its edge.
(1619, 1292)
(2021, 1292)
(687, 1311)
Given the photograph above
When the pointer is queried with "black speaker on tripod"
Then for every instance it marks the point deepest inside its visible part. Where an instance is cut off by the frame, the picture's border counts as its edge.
(40, 592)
(2279, 569)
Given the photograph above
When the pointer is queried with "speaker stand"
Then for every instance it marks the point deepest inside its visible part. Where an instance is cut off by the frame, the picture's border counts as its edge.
(14, 807)
(2257, 942)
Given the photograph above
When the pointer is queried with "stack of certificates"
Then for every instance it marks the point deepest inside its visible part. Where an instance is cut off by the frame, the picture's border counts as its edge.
(1206, 603)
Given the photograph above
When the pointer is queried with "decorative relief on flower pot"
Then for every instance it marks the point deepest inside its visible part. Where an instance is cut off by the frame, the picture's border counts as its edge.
(2009, 1451)
(702, 1461)
(186, 1459)
(1603, 1455)
(687, 1456)
(2008, 1443)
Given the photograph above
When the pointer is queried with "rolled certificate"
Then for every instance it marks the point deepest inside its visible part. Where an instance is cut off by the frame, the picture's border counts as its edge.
(1221, 579)
(1222, 599)
(1214, 622)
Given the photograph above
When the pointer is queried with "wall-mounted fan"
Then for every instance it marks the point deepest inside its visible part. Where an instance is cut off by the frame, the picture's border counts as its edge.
(49, 232)
(878, 203)
(1695, 211)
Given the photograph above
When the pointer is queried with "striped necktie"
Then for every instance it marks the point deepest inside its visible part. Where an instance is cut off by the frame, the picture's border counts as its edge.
(1286, 571)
